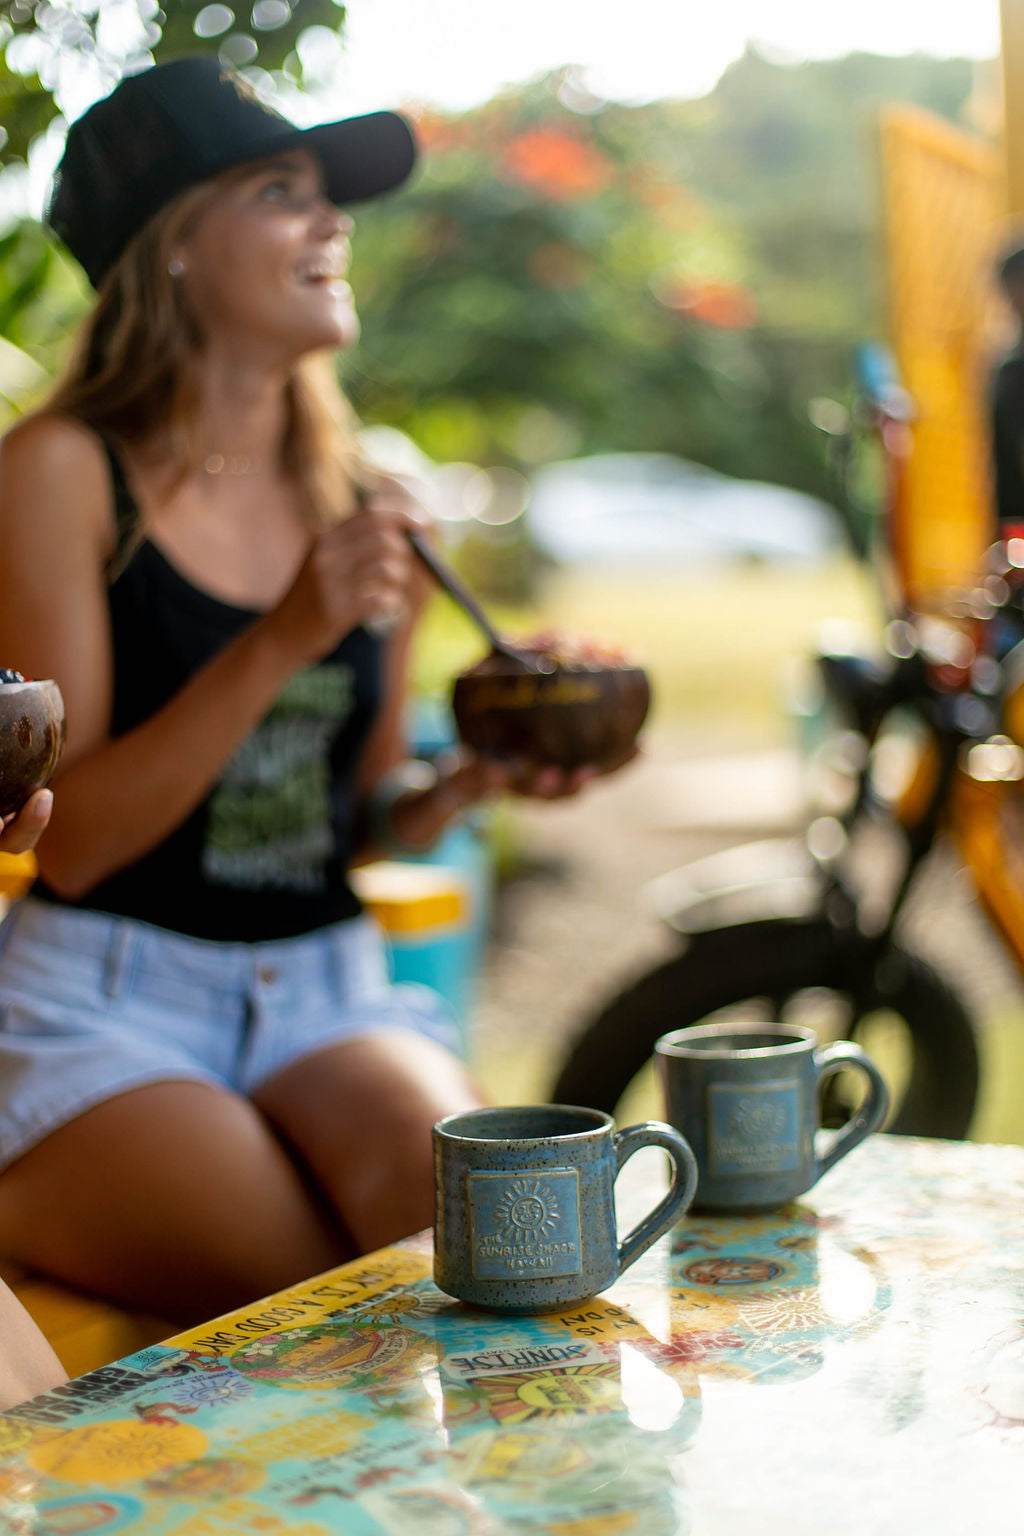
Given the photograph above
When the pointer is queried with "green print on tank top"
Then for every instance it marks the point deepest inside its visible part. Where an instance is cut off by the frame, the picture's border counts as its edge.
(269, 819)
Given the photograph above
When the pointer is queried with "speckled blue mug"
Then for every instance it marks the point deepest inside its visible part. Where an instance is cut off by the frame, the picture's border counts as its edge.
(747, 1095)
(525, 1203)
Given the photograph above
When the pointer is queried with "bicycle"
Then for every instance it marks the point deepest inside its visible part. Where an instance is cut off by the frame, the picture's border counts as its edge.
(798, 928)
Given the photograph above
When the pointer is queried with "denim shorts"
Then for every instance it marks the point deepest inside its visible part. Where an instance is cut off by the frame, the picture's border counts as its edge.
(93, 1005)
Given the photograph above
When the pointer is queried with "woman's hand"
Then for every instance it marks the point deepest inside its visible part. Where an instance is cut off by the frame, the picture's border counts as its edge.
(20, 833)
(542, 782)
(356, 572)
(420, 816)
(400, 498)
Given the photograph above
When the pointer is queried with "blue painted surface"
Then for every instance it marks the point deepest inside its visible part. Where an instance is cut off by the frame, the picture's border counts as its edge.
(450, 961)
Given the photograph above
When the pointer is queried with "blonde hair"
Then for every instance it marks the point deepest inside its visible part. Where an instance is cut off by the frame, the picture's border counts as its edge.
(136, 365)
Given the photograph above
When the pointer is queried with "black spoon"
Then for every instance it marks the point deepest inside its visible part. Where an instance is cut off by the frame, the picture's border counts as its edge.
(446, 578)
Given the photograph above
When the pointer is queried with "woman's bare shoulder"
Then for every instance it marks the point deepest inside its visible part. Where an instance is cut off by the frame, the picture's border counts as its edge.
(59, 467)
(52, 443)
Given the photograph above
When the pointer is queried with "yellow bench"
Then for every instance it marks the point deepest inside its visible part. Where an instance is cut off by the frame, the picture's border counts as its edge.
(83, 1331)
(17, 871)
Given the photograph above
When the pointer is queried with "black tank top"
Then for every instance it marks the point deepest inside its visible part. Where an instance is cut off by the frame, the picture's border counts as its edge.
(266, 853)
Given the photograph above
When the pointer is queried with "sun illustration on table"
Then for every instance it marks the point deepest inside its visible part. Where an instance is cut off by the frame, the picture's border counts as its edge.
(527, 1208)
(565, 1391)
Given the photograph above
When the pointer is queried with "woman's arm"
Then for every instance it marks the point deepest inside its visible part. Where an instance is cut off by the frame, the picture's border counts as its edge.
(121, 797)
(417, 817)
(387, 745)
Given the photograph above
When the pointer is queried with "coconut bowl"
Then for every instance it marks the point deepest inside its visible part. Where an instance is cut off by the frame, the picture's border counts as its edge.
(31, 740)
(573, 714)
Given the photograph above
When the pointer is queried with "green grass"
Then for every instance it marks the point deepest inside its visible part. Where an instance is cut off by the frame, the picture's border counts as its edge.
(722, 651)
(1000, 1114)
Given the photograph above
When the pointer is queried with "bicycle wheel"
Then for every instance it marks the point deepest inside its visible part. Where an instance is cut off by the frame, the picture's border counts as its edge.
(899, 1009)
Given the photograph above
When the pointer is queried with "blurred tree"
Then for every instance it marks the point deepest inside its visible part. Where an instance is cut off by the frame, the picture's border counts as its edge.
(45, 41)
(565, 275)
(552, 285)
(51, 50)
(570, 275)
(790, 151)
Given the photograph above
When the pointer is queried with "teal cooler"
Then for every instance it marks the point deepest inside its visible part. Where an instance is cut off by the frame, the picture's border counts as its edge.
(427, 911)
(437, 922)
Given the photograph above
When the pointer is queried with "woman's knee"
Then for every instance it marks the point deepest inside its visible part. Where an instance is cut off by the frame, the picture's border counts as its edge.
(361, 1112)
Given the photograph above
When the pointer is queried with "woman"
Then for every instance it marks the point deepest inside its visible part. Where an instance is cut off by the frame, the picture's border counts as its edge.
(207, 1088)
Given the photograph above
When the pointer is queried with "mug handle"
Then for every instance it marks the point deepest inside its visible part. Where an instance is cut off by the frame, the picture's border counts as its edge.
(653, 1133)
(831, 1059)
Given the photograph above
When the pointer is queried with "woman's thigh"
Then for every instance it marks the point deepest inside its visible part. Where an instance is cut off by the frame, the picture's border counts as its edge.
(359, 1114)
(176, 1198)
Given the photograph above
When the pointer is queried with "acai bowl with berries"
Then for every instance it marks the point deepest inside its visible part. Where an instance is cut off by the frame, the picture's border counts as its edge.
(569, 703)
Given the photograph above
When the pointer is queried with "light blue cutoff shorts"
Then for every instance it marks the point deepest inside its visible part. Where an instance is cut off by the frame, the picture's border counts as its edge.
(92, 1005)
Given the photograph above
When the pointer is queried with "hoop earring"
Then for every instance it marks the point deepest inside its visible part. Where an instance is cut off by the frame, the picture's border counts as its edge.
(175, 266)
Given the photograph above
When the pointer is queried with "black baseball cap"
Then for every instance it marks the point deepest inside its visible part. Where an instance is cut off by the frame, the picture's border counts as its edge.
(177, 124)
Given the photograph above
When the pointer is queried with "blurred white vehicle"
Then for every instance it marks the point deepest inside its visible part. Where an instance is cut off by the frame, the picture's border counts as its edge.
(639, 508)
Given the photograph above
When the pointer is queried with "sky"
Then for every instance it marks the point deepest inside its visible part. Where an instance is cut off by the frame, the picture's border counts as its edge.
(455, 53)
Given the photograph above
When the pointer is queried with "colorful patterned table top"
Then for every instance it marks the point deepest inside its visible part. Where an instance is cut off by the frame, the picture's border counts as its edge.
(852, 1364)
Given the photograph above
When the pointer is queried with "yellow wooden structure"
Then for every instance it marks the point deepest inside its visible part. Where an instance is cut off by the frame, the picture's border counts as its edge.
(951, 201)
(944, 221)
(1011, 25)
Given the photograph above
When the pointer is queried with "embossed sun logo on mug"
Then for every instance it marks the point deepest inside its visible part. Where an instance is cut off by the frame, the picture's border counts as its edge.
(751, 1119)
(527, 1207)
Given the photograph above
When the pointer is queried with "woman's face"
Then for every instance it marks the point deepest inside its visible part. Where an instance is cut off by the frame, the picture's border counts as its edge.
(265, 262)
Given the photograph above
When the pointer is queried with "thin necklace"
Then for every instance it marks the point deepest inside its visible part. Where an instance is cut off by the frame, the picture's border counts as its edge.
(232, 464)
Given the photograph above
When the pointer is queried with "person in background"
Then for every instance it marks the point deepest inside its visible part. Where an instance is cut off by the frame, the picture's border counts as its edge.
(208, 1087)
(1007, 404)
(1006, 416)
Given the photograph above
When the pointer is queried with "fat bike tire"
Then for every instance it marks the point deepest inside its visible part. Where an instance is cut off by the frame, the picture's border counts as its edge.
(774, 960)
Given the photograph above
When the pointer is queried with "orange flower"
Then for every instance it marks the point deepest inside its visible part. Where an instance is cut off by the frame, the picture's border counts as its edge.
(557, 164)
(718, 303)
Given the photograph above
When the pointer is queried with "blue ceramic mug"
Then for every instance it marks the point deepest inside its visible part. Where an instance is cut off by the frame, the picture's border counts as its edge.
(746, 1097)
(525, 1203)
